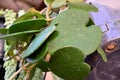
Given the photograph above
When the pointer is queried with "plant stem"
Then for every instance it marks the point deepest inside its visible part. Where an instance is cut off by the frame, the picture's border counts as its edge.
(16, 73)
(47, 57)
(28, 75)
(48, 11)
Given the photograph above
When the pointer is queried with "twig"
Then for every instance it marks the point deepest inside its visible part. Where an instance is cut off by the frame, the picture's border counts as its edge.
(29, 70)
(21, 64)
(48, 11)
(28, 75)
(16, 73)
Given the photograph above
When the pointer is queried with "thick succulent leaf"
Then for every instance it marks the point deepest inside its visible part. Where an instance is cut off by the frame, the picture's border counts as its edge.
(38, 41)
(19, 36)
(82, 6)
(30, 14)
(43, 65)
(102, 53)
(38, 54)
(68, 63)
(27, 25)
(56, 3)
(72, 31)
(3, 30)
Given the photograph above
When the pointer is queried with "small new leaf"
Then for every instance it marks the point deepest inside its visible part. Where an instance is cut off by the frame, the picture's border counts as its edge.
(55, 3)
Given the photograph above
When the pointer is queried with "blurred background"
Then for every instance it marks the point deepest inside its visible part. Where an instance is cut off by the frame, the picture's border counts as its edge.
(17, 5)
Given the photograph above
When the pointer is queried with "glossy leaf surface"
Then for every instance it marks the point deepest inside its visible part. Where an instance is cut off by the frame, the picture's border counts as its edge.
(72, 31)
(19, 36)
(30, 14)
(27, 25)
(38, 41)
(68, 63)
(38, 54)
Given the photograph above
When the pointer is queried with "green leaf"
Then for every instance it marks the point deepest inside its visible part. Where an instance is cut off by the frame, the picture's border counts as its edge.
(75, 0)
(44, 66)
(38, 54)
(38, 41)
(19, 36)
(68, 63)
(49, 1)
(27, 25)
(30, 14)
(72, 31)
(55, 3)
(3, 30)
(82, 6)
(102, 53)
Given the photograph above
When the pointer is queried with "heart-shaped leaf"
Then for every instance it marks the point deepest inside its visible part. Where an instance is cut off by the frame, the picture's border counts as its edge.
(55, 3)
(30, 14)
(38, 54)
(27, 25)
(19, 36)
(72, 31)
(82, 6)
(38, 41)
(68, 63)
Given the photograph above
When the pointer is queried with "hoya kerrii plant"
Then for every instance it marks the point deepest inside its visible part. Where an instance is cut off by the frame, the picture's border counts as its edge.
(56, 39)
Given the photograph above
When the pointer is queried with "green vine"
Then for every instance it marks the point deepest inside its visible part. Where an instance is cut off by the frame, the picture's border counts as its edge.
(56, 39)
